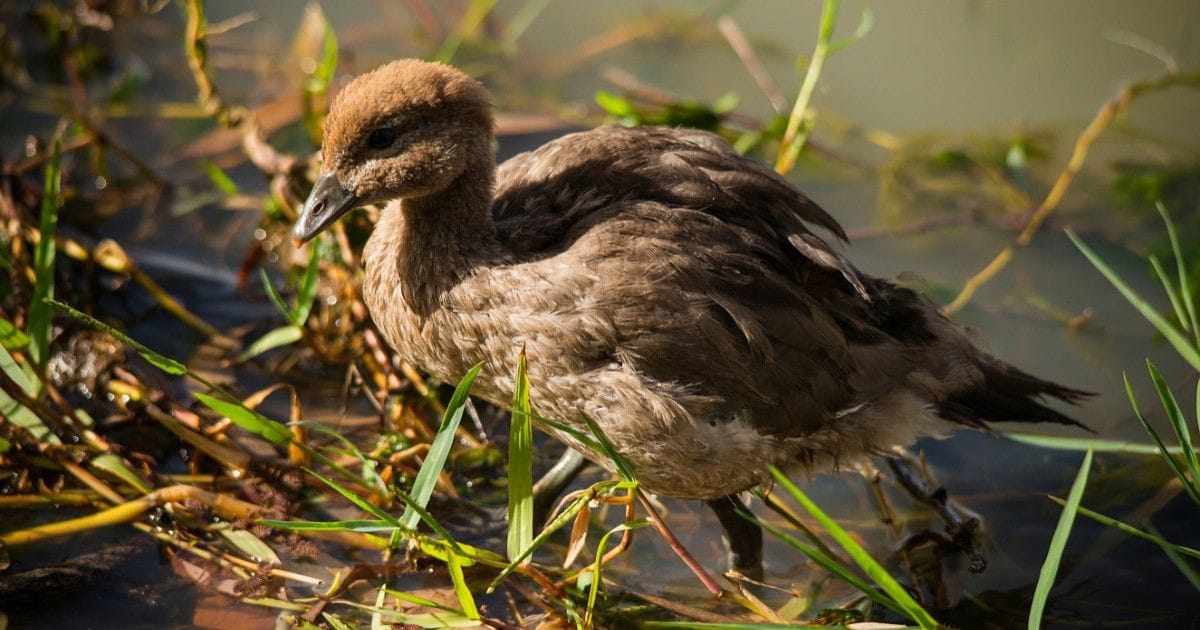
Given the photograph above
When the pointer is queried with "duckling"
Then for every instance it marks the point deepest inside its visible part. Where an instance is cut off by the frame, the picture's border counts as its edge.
(659, 283)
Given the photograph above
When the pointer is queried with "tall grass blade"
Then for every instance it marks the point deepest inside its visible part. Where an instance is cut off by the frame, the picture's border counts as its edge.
(1181, 343)
(873, 569)
(419, 620)
(219, 178)
(1181, 268)
(558, 523)
(306, 293)
(1178, 423)
(377, 617)
(1098, 445)
(368, 526)
(322, 76)
(248, 419)
(1058, 543)
(468, 25)
(1179, 561)
(742, 625)
(439, 450)
(834, 566)
(38, 324)
(11, 337)
(1173, 295)
(14, 411)
(364, 505)
(1126, 528)
(277, 299)
(624, 468)
(114, 465)
(166, 364)
(594, 587)
(276, 338)
(461, 590)
(1162, 448)
(520, 465)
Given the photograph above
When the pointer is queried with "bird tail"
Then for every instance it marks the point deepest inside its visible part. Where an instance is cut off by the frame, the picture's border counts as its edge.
(1007, 394)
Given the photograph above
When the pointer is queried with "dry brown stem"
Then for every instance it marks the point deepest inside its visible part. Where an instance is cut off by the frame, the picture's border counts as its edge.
(1083, 144)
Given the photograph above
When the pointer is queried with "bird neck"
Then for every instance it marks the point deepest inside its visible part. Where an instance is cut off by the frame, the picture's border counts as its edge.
(431, 242)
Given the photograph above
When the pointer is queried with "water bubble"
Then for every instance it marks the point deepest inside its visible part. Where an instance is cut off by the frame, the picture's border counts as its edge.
(101, 182)
(260, 234)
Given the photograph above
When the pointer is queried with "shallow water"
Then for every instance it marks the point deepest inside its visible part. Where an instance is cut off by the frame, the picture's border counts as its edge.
(948, 72)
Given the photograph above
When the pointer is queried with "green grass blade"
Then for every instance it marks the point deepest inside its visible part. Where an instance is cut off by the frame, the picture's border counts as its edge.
(364, 505)
(367, 526)
(322, 76)
(219, 178)
(251, 546)
(468, 25)
(521, 20)
(731, 625)
(420, 620)
(461, 590)
(306, 293)
(377, 617)
(1162, 448)
(113, 465)
(276, 338)
(1178, 423)
(520, 466)
(560, 521)
(421, 601)
(873, 569)
(11, 337)
(624, 468)
(37, 326)
(166, 364)
(248, 419)
(1172, 294)
(1181, 343)
(1058, 543)
(14, 411)
(277, 299)
(1178, 560)
(439, 450)
(1189, 302)
(832, 565)
(1098, 445)
(1109, 521)
(594, 587)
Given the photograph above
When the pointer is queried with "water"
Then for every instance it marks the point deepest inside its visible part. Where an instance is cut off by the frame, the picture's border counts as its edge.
(944, 72)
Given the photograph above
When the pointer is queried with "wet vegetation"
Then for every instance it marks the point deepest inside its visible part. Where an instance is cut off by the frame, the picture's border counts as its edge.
(404, 502)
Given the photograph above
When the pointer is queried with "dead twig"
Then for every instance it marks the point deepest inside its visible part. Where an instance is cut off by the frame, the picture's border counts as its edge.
(1083, 144)
(745, 52)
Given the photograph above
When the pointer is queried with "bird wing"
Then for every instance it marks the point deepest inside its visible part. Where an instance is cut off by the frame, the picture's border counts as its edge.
(705, 266)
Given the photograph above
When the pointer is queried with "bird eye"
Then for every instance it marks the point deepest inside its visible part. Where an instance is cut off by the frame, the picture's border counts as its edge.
(381, 138)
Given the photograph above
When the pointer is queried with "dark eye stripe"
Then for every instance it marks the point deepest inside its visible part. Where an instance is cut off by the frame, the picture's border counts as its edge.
(381, 138)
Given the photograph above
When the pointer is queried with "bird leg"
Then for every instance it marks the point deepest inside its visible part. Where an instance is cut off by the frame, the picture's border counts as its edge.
(743, 538)
(960, 528)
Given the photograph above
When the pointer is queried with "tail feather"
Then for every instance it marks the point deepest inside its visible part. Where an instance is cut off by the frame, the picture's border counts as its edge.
(1010, 395)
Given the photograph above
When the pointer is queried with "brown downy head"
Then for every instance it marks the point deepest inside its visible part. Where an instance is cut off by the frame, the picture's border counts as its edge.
(406, 129)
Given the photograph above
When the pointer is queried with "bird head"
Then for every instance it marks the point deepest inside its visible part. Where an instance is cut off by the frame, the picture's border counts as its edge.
(406, 129)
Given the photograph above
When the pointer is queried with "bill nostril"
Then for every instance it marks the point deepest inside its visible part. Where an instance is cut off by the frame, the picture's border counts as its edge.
(319, 207)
